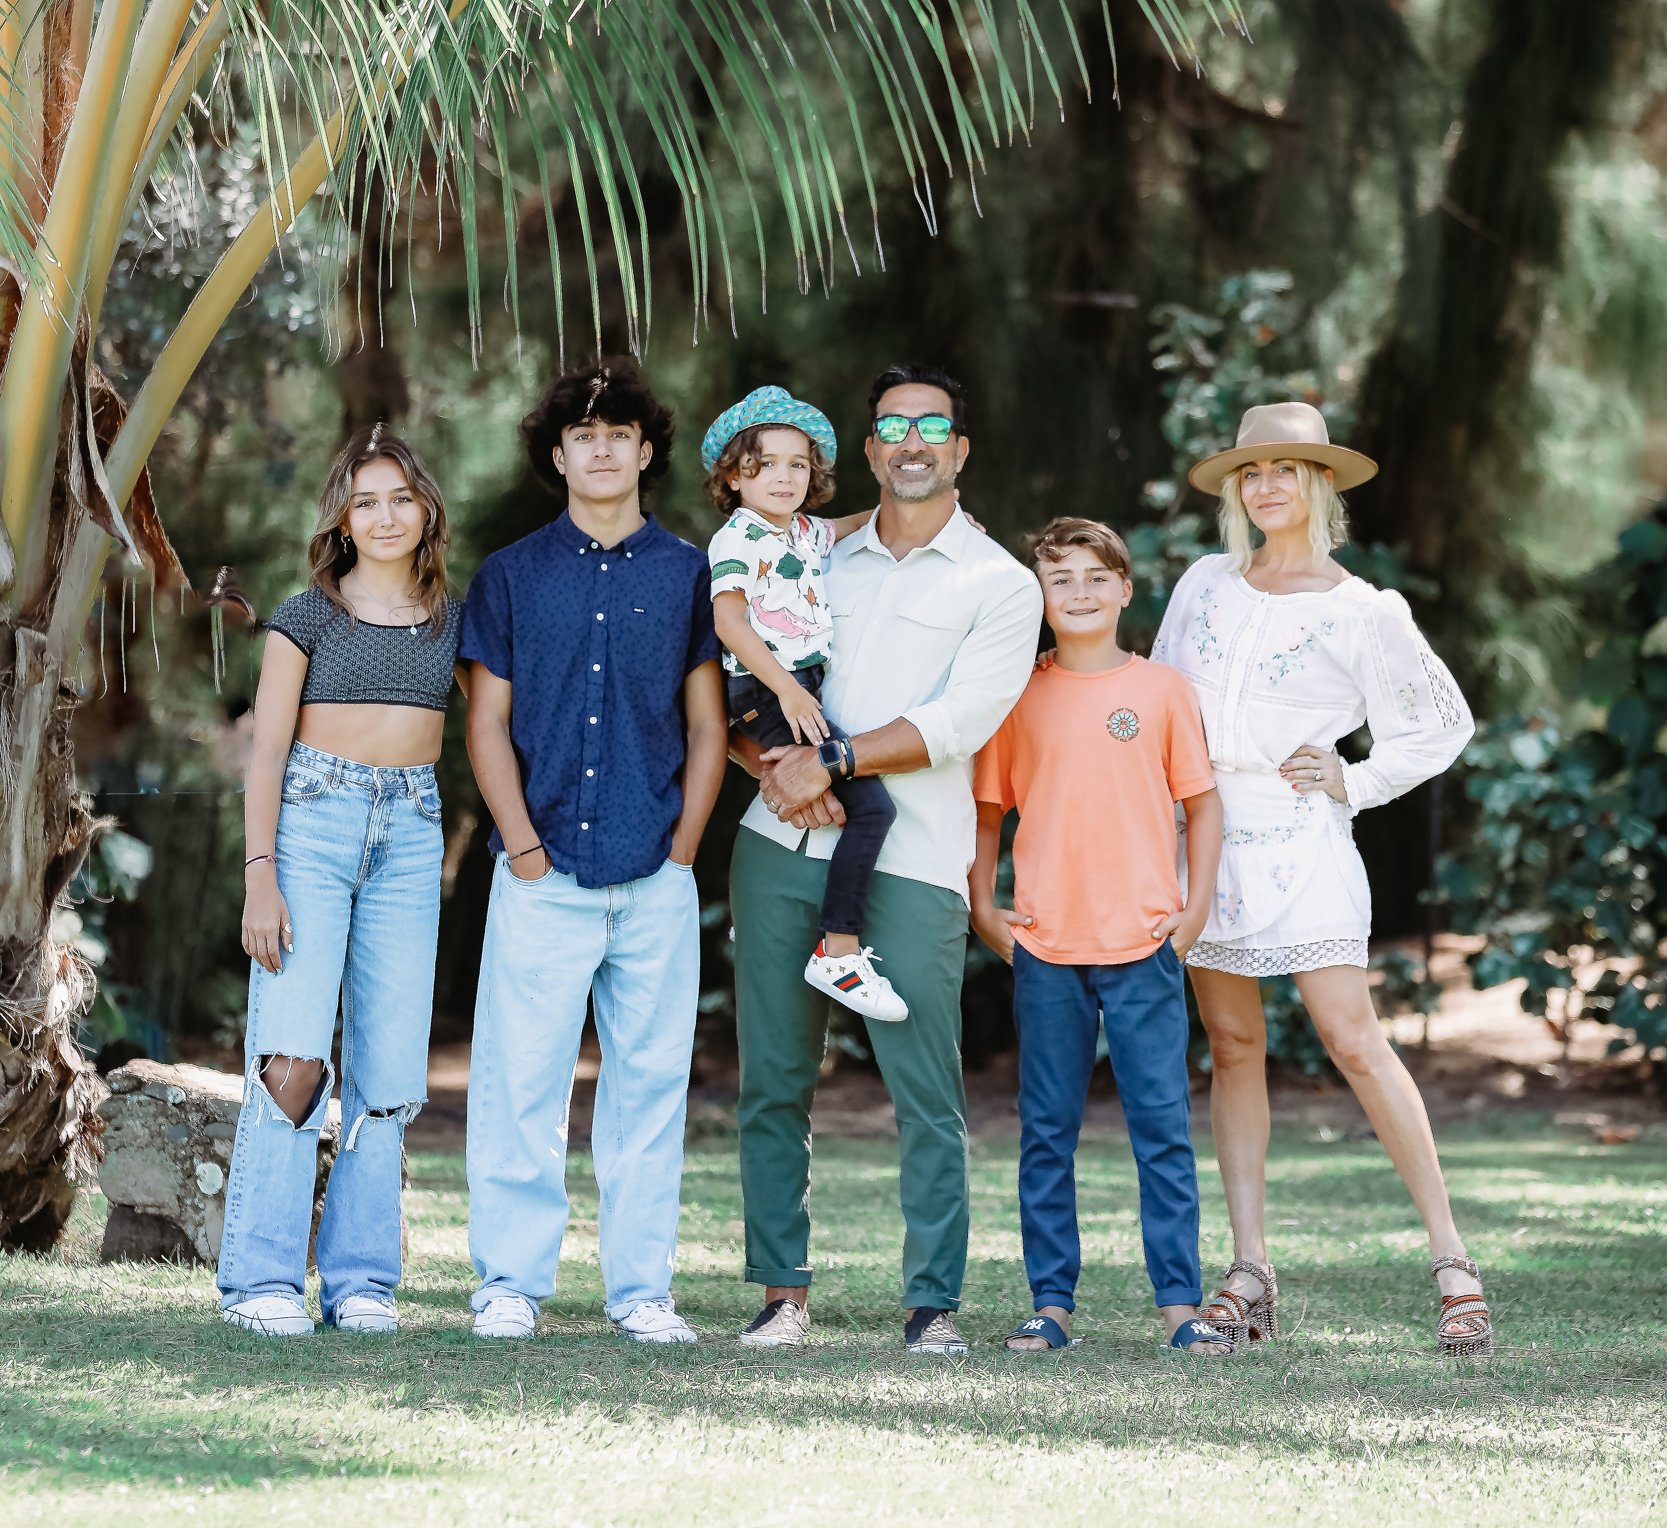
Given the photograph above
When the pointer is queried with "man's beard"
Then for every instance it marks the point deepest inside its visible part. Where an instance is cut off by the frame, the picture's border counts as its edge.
(910, 488)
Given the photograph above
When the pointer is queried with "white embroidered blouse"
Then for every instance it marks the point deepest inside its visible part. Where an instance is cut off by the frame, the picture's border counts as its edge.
(1274, 672)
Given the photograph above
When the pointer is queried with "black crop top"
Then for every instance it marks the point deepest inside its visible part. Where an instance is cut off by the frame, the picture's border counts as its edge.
(358, 662)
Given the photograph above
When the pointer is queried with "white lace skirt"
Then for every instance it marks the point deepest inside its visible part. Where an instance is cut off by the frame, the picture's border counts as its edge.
(1291, 894)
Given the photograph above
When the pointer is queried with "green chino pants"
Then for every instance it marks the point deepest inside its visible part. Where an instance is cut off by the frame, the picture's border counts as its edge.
(920, 933)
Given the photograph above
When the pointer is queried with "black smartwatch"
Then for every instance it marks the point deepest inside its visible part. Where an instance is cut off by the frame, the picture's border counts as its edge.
(830, 754)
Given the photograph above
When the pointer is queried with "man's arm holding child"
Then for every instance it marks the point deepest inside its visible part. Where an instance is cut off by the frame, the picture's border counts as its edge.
(1203, 858)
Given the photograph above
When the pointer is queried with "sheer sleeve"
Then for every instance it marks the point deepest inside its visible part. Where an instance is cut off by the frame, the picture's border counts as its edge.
(1418, 719)
(1175, 616)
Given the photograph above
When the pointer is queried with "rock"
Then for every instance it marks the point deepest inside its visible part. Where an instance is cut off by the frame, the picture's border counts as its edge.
(168, 1130)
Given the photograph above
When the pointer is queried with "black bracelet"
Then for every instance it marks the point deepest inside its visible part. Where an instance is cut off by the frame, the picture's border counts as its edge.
(525, 852)
(850, 770)
(259, 859)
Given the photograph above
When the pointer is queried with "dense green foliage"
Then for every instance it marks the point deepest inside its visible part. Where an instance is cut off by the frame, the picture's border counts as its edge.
(1566, 873)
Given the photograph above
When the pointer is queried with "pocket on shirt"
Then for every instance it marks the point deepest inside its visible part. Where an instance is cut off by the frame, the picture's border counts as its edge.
(652, 642)
(929, 638)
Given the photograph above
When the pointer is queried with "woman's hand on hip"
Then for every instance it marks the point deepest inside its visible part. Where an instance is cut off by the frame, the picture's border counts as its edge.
(266, 927)
(1316, 769)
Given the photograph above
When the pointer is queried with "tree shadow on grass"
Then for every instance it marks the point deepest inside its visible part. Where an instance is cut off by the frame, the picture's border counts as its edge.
(103, 1380)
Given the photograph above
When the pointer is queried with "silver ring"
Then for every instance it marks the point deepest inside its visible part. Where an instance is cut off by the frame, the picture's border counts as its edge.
(287, 929)
(770, 805)
(1319, 774)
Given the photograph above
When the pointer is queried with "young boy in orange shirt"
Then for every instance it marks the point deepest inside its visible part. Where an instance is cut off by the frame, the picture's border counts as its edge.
(1099, 748)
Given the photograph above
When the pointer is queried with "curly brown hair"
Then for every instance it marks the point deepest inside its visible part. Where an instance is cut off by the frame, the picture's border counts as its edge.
(1054, 541)
(611, 392)
(741, 458)
(330, 554)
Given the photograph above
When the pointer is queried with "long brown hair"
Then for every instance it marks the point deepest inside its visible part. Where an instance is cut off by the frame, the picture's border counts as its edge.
(330, 556)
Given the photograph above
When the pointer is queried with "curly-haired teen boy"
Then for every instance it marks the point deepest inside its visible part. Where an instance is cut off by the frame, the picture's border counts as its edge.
(598, 736)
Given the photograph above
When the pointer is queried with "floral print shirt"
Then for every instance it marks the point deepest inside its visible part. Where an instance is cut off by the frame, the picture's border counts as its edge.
(779, 573)
(1275, 672)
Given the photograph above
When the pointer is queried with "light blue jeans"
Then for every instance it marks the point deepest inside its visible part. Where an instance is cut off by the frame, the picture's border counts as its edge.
(359, 854)
(634, 950)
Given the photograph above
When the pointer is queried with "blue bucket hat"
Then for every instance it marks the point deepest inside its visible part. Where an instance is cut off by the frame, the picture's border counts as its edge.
(767, 405)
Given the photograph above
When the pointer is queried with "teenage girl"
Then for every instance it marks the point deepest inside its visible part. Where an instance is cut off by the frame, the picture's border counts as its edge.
(342, 901)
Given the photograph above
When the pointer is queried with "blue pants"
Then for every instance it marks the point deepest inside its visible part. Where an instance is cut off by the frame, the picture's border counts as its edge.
(1058, 1010)
(359, 853)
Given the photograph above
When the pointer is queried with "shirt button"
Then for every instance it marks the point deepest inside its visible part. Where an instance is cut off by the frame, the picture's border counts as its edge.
(594, 547)
(604, 567)
(599, 615)
(593, 721)
(596, 668)
(589, 772)
(585, 825)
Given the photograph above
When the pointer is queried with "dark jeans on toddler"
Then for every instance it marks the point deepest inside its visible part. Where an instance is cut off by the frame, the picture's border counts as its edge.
(869, 811)
(1058, 1011)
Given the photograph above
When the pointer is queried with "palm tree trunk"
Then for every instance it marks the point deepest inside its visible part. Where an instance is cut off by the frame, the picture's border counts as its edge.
(48, 1091)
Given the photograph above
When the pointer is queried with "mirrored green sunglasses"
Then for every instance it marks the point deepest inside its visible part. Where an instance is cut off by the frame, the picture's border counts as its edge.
(934, 429)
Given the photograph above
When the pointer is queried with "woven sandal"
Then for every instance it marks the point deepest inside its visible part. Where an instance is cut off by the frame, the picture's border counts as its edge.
(1243, 1321)
(1464, 1329)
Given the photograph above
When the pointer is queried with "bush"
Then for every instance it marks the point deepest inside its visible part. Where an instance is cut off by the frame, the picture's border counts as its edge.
(1562, 873)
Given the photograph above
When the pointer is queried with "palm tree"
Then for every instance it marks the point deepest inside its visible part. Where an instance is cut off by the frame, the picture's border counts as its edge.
(738, 101)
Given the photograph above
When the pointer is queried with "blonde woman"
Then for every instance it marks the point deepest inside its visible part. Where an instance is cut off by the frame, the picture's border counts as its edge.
(342, 899)
(1288, 653)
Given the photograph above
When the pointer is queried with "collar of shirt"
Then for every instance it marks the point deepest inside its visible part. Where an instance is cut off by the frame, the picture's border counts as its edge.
(569, 538)
(951, 540)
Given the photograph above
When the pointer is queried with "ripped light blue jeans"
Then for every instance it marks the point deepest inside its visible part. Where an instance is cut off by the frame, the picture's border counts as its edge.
(359, 852)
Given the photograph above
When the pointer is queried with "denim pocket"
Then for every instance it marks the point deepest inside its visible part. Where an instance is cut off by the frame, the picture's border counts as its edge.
(427, 800)
(303, 785)
(537, 880)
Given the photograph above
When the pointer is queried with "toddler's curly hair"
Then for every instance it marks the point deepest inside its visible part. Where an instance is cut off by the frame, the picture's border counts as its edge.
(742, 458)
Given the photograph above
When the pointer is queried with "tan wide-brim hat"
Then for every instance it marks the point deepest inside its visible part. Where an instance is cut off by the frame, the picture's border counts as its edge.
(1272, 431)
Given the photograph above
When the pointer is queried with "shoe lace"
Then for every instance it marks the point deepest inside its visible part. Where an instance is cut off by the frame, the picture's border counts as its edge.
(503, 1305)
(655, 1308)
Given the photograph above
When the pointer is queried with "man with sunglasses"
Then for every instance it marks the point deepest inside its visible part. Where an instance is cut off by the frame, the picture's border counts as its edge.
(934, 634)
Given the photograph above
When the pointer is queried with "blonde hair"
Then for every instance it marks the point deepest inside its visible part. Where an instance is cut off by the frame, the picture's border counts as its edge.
(1328, 524)
(330, 556)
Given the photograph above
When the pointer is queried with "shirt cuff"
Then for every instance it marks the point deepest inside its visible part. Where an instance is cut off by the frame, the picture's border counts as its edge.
(935, 723)
(1365, 786)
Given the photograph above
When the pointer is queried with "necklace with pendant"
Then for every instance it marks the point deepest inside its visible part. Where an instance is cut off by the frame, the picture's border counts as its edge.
(414, 627)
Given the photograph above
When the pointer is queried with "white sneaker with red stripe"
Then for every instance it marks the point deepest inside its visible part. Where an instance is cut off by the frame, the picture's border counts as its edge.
(851, 980)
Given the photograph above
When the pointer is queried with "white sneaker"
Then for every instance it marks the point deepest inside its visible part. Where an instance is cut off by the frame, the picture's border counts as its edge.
(506, 1316)
(655, 1321)
(366, 1313)
(850, 979)
(270, 1315)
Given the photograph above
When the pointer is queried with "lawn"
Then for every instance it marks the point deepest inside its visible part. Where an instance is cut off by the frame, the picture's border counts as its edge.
(121, 1395)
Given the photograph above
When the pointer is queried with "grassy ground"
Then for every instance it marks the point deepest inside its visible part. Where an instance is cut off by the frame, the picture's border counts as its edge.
(122, 1396)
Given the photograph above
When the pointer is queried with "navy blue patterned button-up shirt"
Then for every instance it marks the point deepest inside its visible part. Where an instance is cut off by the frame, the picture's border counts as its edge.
(597, 642)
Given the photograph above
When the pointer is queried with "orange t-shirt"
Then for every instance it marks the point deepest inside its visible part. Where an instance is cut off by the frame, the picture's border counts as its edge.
(1095, 764)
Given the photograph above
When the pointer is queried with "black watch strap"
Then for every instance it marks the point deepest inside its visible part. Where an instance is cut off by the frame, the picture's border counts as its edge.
(831, 757)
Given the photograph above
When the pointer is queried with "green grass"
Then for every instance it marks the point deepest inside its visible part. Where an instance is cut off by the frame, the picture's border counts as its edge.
(121, 1395)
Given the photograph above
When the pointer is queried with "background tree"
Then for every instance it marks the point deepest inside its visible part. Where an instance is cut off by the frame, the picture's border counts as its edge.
(405, 103)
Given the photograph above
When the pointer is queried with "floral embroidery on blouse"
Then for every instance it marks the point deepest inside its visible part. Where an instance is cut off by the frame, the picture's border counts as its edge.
(1286, 661)
(1282, 875)
(1228, 907)
(1406, 701)
(1205, 642)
